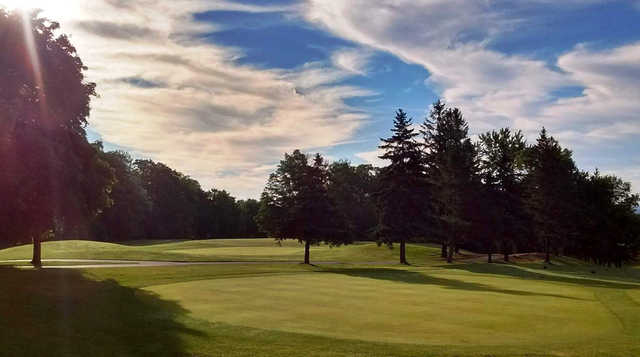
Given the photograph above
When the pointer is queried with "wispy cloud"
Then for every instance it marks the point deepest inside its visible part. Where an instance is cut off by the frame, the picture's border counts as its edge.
(168, 95)
(452, 38)
(353, 60)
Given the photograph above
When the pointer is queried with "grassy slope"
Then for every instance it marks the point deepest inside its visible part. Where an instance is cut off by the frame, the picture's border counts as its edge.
(214, 250)
(282, 310)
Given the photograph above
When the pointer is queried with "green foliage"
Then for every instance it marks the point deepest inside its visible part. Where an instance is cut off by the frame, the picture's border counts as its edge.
(502, 170)
(550, 191)
(45, 110)
(451, 167)
(398, 195)
(351, 188)
(609, 228)
(296, 204)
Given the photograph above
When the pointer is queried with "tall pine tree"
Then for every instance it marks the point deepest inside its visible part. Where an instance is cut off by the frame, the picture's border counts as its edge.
(399, 199)
(550, 192)
(450, 161)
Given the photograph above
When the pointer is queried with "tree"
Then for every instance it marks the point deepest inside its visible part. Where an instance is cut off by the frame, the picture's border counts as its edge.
(351, 188)
(174, 199)
(450, 161)
(295, 204)
(224, 213)
(44, 101)
(608, 226)
(501, 168)
(550, 192)
(126, 217)
(247, 211)
(399, 195)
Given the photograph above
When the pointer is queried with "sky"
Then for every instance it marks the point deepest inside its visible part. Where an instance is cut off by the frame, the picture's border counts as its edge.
(221, 89)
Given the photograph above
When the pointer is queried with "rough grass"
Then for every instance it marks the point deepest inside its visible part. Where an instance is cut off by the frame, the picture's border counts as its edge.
(430, 309)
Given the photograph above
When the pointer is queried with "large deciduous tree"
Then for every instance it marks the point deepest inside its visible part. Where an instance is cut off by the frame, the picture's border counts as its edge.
(125, 219)
(296, 204)
(351, 189)
(399, 194)
(51, 177)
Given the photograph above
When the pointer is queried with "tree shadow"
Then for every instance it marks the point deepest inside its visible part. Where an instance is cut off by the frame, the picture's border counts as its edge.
(514, 271)
(413, 277)
(63, 313)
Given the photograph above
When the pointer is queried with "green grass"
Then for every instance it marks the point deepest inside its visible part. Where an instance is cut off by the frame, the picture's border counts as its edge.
(216, 250)
(430, 309)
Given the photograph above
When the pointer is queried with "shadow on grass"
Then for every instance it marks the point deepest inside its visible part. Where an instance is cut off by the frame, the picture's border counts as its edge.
(517, 272)
(413, 277)
(62, 313)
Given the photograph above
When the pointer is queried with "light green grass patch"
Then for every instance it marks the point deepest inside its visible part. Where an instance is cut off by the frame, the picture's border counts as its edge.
(401, 306)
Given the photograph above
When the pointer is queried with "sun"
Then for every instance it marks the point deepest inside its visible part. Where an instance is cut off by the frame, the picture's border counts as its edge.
(58, 9)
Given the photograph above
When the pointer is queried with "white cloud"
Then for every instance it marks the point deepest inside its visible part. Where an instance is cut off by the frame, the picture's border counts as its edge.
(450, 38)
(168, 96)
(373, 158)
(353, 60)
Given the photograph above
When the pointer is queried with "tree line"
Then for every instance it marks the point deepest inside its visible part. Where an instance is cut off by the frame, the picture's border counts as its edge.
(497, 195)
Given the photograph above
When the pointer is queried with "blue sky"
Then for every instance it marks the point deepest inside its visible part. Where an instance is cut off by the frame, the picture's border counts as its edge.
(219, 89)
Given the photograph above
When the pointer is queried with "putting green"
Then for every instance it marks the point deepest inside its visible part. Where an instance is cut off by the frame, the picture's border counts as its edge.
(435, 306)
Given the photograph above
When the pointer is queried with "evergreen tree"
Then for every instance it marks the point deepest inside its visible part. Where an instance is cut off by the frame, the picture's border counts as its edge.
(550, 192)
(450, 161)
(400, 196)
(501, 168)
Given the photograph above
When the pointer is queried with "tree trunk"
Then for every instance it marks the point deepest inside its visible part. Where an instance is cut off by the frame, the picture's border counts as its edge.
(450, 254)
(403, 253)
(547, 257)
(306, 252)
(36, 261)
(443, 251)
(489, 258)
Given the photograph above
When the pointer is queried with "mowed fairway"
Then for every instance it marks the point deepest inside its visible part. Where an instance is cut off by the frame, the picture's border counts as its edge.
(276, 309)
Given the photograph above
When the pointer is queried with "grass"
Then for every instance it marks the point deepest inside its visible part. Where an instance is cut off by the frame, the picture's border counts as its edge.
(266, 250)
(429, 309)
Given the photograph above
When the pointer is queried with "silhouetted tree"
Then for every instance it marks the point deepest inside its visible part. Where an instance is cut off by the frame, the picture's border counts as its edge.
(450, 160)
(398, 196)
(247, 211)
(502, 168)
(550, 192)
(351, 189)
(125, 219)
(607, 224)
(296, 204)
(51, 177)
(174, 200)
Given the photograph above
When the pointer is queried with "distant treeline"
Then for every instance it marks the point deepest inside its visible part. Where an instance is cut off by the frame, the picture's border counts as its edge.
(149, 200)
(495, 195)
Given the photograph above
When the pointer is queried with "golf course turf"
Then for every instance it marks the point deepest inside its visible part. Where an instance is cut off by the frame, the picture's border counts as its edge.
(347, 309)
